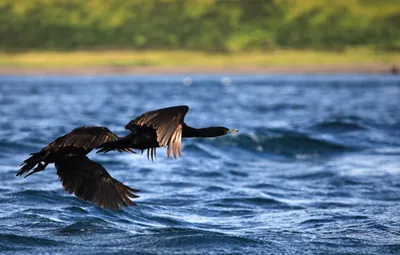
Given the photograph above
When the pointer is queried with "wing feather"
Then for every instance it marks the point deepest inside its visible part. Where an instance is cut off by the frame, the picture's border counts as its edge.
(167, 123)
(86, 138)
(90, 181)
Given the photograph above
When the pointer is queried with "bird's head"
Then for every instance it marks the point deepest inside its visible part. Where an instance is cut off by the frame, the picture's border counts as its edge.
(228, 131)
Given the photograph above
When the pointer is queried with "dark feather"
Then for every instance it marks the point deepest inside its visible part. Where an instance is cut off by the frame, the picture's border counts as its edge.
(121, 144)
(167, 123)
(86, 138)
(79, 141)
(90, 181)
(30, 163)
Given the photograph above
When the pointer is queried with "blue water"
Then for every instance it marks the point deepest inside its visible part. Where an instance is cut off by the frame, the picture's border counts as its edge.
(315, 168)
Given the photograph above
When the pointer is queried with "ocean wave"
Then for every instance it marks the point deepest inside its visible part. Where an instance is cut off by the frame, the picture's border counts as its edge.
(91, 225)
(288, 143)
(244, 202)
(314, 168)
(280, 107)
(329, 205)
(319, 175)
(193, 239)
(30, 197)
(317, 222)
(338, 126)
(76, 210)
(214, 189)
(16, 242)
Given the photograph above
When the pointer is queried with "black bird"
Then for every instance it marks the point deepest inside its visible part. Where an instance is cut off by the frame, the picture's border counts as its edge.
(87, 179)
(161, 128)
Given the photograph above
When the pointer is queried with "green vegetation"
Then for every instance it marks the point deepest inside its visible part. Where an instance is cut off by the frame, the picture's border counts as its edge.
(205, 25)
(184, 58)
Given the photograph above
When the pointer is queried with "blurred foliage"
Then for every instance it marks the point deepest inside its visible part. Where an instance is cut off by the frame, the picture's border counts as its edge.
(210, 25)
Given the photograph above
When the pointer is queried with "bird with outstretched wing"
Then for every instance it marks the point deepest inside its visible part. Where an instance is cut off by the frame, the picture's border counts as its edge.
(161, 128)
(89, 180)
(85, 178)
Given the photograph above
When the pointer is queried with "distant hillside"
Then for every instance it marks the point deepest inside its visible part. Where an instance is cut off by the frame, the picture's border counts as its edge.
(210, 25)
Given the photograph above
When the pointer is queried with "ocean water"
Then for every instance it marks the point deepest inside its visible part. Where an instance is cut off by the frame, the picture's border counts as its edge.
(315, 168)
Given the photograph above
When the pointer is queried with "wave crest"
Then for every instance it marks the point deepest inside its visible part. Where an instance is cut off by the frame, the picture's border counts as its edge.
(288, 143)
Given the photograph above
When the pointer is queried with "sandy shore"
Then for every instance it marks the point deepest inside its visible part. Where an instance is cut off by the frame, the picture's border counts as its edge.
(137, 70)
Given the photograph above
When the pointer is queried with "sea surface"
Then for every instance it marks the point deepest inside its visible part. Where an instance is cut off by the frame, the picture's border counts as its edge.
(315, 168)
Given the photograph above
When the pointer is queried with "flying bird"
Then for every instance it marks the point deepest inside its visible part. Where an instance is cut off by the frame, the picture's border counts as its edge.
(161, 128)
(89, 180)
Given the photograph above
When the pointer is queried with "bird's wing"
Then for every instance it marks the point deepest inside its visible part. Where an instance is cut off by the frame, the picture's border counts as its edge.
(82, 138)
(86, 138)
(90, 181)
(168, 124)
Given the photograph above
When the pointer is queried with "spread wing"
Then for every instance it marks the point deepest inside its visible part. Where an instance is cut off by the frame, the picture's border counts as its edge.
(82, 139)
(168, 124)
(90, 181)
(86, 138)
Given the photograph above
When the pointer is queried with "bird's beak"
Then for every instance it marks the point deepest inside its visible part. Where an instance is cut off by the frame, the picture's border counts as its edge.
(233, 130)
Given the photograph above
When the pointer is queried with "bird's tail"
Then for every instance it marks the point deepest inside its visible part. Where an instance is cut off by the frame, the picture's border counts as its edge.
(27, 167)
(122, 144)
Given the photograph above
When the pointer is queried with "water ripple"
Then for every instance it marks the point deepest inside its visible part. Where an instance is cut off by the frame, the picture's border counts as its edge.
(314, 169)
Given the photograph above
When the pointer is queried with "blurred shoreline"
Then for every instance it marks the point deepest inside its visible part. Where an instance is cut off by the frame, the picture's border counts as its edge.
(371, 68)
(95, 62)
